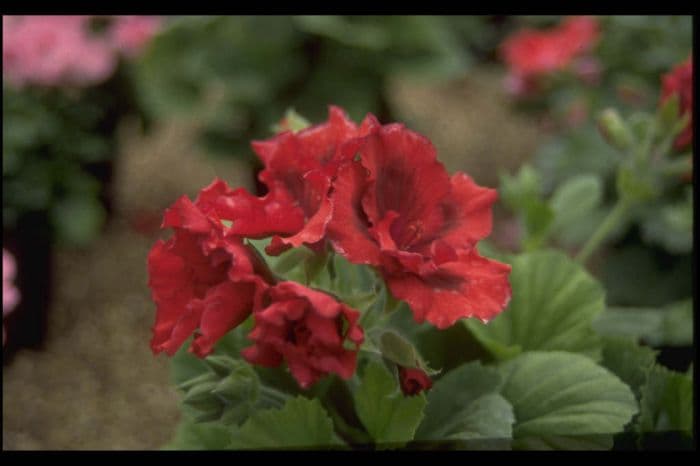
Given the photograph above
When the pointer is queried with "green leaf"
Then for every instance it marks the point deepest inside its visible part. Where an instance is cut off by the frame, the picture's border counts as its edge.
(671, 325)
(200, 436)
(300, 424)
(390, 417)
(465, 406)
(628, 360)
(573, 201)
(565, 400)
(667, 402)
(670, 225)
(554, 303)
(369, 36)
(185, 366)
(292, 121)
(78, 220)
(635, 276)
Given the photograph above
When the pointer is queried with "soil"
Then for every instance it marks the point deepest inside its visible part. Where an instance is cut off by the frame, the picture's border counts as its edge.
(96, 385)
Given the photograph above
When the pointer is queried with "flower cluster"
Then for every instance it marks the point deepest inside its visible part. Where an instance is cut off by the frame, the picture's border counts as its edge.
(10, 294)
(375, 194)
(530, 53)
(680, 81)
(64, 51)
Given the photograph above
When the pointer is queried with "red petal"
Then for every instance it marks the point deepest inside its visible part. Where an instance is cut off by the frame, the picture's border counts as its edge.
(184, 214)
(316, 189)
(467, 212)
(471, 287)
(171, 291)
(348, 229)
(258, 217)
(225, 307)
(407, 178)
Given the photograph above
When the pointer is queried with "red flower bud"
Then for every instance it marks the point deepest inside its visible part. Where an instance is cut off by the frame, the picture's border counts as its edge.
(413, 381)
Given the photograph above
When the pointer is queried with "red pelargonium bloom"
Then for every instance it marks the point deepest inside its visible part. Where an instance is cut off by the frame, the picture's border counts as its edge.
(397, 208)
(533, 52)
(413, 381)
(299, 169)
(310, 330)
(203, 280)
(680, 81)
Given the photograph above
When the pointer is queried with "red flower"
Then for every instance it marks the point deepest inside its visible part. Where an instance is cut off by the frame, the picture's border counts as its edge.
(413, 381)
(203, 280)
(534, 52)
(299, 168)
(680, 81)
(396, 208)
(309, 329)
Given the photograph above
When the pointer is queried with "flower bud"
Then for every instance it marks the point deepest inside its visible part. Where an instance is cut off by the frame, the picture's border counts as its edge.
(614, 130)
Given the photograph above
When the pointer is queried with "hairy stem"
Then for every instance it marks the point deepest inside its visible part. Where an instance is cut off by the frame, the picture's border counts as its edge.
(611, 221)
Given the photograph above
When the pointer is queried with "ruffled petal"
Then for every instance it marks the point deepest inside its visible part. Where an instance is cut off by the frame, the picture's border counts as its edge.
(171, 290)
(467, 212)
(348, 229)
(225, 307)
(258, 217)
(184, 214)
(307, 329)
(408, 179)
(316, 188)
(471, 287)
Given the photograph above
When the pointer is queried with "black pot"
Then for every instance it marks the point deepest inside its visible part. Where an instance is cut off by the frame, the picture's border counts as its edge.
(30, 243)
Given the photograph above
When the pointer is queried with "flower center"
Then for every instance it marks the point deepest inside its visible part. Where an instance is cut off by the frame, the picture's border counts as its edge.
(412, 233)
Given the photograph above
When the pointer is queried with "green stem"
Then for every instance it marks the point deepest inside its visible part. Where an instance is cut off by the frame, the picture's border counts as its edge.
(611, 221)
(678, 167)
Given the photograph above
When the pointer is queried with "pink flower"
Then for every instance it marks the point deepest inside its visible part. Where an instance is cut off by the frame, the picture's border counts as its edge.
(10, 294)
(54, 51)
(130, 34)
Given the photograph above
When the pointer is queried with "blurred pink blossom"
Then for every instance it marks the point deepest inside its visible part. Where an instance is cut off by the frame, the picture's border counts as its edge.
(54, 51)
(589, 70)
(10, 294)
(130, 34)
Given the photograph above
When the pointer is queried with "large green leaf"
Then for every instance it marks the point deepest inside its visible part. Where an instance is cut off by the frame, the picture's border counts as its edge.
(200, 436)
(671, 325)
(390, 417)
(565, 400)
(554, 302)
(628, 360)
(667, 402)
(465, 406)
(638, 276)
(573, 202)
(300, 424)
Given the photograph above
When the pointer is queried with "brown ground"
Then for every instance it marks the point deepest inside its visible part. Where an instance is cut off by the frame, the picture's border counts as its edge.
(97, 386)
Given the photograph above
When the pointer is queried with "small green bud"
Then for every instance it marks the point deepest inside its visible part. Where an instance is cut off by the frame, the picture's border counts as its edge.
(204, 378)
(222, 365)
(614, 129)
